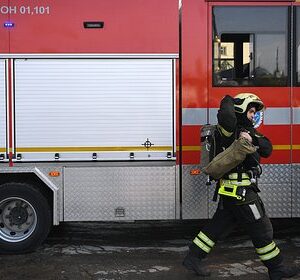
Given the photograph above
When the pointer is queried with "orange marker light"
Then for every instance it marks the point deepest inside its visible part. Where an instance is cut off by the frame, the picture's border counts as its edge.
(195, 171)
(54, 173)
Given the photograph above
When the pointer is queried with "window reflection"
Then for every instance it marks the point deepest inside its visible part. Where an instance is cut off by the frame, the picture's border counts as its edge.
(270, 60)
(250, 48)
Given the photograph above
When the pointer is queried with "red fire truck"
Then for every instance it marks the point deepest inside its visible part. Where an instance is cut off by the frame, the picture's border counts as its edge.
(102, 102)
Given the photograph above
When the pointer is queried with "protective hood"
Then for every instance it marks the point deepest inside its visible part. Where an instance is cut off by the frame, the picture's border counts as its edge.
(242, 119)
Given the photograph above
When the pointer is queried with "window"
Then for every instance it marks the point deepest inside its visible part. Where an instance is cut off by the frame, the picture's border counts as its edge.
(223, 50)
(250, 46)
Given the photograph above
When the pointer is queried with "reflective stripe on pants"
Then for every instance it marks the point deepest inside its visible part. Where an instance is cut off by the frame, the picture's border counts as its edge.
(268, 252)
(203, 242)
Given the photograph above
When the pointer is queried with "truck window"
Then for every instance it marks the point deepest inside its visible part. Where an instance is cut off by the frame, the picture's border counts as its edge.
(250, 46)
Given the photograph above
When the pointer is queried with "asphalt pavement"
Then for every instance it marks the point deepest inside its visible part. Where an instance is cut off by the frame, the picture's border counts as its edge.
(143, 250)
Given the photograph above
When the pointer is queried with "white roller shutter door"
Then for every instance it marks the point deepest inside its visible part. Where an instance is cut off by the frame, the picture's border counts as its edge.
(77, 107)
(2, 108)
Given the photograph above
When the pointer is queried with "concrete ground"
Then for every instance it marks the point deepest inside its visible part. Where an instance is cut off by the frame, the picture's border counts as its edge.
(105, 251)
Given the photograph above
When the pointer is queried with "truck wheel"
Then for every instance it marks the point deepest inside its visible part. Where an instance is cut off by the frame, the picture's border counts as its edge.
(25, 218)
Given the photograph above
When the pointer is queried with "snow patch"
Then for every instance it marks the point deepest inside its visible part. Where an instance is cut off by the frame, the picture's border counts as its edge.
(88, 250)
(240, 269)
(153, 269)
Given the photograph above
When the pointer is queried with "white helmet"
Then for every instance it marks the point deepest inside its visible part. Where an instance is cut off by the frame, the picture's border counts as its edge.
(242, 100)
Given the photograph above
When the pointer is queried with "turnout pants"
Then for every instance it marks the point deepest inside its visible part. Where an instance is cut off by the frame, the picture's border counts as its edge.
(252, 217)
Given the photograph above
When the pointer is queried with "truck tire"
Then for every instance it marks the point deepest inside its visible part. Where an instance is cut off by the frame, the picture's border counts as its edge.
(25, 218)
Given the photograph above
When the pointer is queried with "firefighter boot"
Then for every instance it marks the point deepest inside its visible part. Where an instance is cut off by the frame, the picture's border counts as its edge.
(194, 263)
(282, 272)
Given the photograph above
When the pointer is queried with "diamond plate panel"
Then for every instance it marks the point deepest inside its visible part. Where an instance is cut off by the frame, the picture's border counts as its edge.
(58, 182)
(119, 193)
(194, 194)
(212, 205)
(276, 174)
(296, 190)
(277, 200)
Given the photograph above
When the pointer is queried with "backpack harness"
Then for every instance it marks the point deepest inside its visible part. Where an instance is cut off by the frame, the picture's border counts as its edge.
(233, 184)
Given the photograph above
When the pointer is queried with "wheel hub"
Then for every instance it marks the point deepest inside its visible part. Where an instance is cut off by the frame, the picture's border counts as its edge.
(17, 219)
(18, 216)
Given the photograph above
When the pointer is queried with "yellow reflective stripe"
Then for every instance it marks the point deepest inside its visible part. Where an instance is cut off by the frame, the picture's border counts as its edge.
(282, 147)
(286, 147)
(271, 255)
(208, 241)
(224, 131)
(2, 150)
(91, 149)
(153, 148)
(235, 176)
(233, 183)
(266, 249)
(190, 148)
(201, 245)
(245, 182)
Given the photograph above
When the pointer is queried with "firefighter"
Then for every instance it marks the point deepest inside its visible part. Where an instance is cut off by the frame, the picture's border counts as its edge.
(243, 206)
